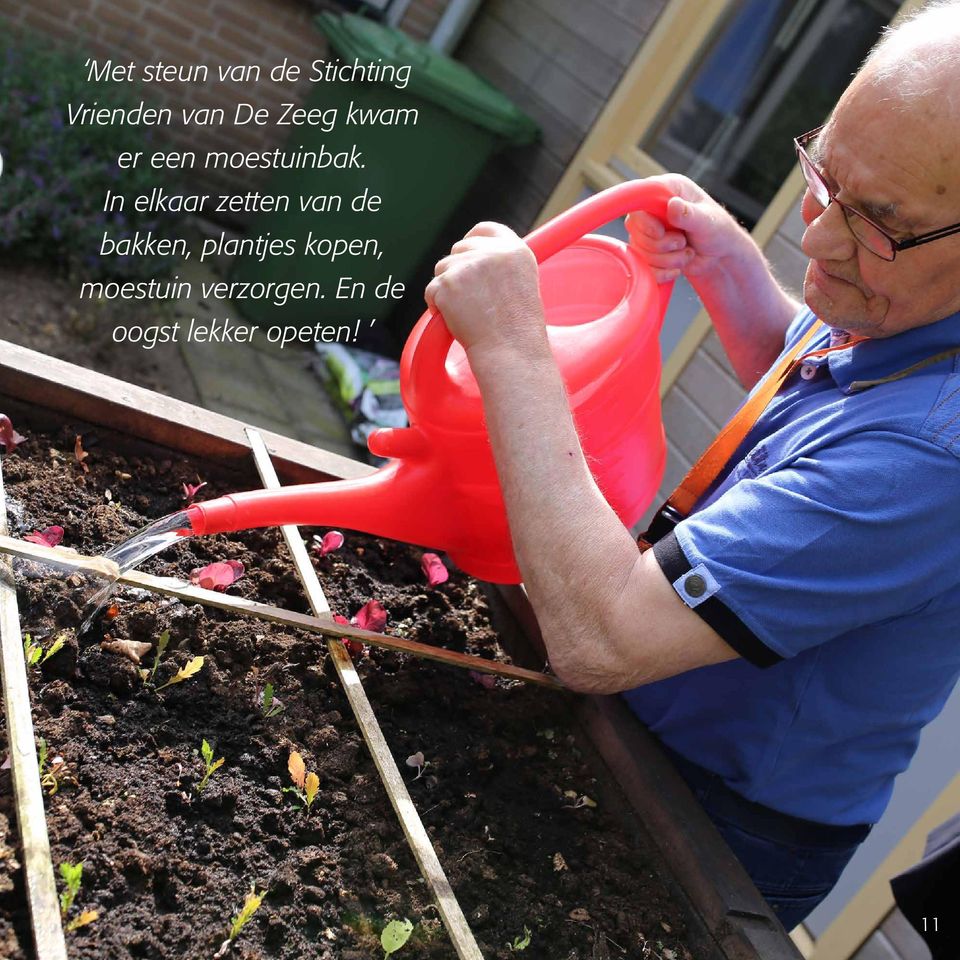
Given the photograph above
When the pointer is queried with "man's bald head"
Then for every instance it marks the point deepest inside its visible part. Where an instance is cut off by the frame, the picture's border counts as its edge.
(919, 58)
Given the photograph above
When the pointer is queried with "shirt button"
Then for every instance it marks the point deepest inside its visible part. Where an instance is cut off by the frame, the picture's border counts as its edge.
(808, 371)
(695, 585)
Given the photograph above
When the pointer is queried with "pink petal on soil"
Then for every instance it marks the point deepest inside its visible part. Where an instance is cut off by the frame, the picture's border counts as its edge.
(217, 576)
(371, 616)
(354, 646)
(8, 436)
(486, 680)
(47, 537)
(434, 570)
(332, 540)
(190, 490)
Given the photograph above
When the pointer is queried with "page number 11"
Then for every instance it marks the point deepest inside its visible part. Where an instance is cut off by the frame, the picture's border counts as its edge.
(931, 924)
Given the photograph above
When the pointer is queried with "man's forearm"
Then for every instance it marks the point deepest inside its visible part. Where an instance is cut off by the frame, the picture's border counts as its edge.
(748, 308)
(574, 554)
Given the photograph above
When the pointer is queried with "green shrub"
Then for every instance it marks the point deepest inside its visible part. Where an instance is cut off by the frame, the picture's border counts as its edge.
(55, 176)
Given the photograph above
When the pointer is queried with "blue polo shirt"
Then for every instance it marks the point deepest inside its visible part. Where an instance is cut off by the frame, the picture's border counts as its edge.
(828, 556)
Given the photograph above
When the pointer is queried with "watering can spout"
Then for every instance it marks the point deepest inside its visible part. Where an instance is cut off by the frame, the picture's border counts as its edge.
(388, 503)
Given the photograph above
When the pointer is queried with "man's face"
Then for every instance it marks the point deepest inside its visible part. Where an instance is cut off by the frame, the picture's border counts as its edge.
(897, 166)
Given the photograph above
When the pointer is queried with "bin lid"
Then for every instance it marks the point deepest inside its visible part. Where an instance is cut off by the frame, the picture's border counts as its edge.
(434, 76)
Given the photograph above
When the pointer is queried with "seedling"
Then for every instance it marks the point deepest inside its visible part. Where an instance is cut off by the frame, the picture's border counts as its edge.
(8, 436)
(519, 944)
(418, 761)
(80, 455)
(270, 706)
(305, 785)
(206, 751)
(71, 874)
(250, 906)
(34, 653)
(162, 641)
(184, 673)
(52, 774)
(330, 541)
(395, 934)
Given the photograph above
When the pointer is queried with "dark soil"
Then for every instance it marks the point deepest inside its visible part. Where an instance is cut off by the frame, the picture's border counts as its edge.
(167, 867)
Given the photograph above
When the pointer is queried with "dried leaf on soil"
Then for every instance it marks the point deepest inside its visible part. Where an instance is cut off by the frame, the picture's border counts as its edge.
(131, 649)
(297, 768)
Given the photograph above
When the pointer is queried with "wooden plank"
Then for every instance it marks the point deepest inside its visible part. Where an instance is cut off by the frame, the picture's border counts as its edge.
(174, 587)
(426, 857)
(143, 425)
(28, 794)
(738, 921)
(105, 401)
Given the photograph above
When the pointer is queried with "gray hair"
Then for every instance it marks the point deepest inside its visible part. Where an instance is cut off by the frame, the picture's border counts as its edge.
(918, 53)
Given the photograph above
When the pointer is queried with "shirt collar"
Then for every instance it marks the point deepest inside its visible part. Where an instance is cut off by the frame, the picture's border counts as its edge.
(870, 360)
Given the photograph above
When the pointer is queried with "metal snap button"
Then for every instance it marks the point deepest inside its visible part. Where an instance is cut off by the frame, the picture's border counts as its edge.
(695, 585)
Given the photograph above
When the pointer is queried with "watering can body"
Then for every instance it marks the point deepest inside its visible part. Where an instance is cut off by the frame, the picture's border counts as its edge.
(439, 487)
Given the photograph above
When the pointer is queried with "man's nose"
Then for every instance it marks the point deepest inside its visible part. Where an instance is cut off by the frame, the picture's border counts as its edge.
(828, 235)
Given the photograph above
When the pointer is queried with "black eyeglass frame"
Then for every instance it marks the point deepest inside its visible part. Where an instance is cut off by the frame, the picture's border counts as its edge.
(800, 145)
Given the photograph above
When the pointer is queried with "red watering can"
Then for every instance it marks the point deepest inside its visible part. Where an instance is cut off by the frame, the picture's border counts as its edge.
(440, 487)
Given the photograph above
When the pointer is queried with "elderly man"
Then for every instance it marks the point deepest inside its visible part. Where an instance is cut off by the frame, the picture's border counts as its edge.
(792, 685)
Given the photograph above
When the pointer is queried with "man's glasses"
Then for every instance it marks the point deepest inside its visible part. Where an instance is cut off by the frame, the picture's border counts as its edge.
(869, 234)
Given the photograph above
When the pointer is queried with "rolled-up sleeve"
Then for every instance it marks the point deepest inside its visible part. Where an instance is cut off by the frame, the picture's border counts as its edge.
(864, 530)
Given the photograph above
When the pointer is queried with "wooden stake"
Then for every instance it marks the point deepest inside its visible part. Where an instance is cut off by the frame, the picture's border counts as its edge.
(28, 794)
(430, 866)
(67, 559)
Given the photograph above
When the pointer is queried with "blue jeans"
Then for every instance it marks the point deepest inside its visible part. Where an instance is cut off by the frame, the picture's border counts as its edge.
(794, 863)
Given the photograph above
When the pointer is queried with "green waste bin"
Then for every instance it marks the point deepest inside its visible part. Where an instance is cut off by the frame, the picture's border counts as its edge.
(421, 171)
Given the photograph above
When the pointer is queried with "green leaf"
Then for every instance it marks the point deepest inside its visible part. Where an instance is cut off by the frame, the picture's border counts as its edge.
(267, 698)
(521, 943)
(395, 934)
(206, 752)
(184, 673)
(250, 906)
(54, 647)
(71, 874)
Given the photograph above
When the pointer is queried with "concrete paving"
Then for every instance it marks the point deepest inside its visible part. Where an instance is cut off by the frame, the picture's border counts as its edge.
(258, 382)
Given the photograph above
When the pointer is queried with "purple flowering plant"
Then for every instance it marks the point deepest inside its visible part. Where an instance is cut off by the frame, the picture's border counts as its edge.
(56, 175)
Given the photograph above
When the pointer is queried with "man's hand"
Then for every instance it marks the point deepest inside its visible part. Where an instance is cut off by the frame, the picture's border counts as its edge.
(488, 290)
(698, 236)
(748, 308)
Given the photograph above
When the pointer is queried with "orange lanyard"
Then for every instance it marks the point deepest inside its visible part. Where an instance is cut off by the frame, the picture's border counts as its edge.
(703, 473)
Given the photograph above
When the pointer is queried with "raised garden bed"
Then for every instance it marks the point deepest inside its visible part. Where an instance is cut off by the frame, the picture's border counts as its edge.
(502, 795)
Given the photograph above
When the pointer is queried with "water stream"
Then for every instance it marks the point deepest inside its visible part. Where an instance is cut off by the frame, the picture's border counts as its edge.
(132, 552)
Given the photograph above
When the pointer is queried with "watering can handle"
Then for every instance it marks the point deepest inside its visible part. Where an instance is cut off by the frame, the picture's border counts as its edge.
(435, 340)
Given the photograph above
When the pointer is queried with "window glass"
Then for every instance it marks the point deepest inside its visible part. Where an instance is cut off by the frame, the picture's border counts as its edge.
(773, 70)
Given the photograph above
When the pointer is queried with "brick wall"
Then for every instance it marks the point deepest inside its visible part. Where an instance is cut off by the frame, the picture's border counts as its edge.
(421, 18)
(559, 60)
(210, 32)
